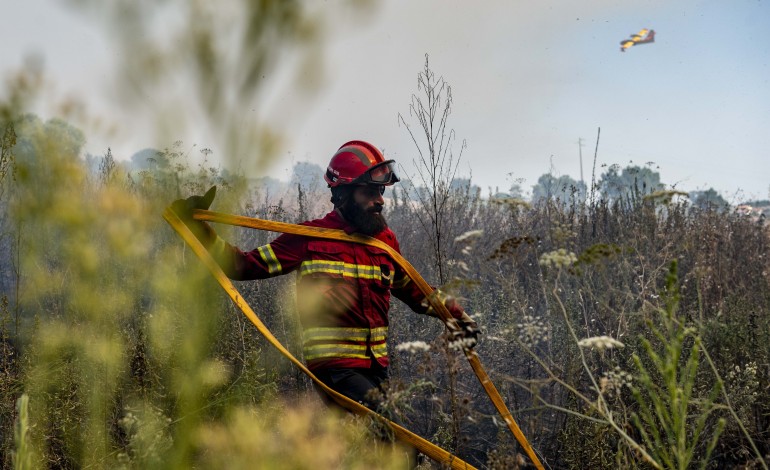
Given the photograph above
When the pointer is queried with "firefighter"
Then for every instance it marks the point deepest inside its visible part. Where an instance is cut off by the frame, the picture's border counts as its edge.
(343, 288)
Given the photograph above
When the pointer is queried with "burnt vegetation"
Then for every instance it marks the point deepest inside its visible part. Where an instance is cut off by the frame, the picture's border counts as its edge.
(592, 314)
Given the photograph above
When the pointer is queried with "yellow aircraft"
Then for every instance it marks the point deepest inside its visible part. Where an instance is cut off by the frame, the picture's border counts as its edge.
(643, 37)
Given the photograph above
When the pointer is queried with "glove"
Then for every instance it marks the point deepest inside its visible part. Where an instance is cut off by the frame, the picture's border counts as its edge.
(464, 331)
(184, 210)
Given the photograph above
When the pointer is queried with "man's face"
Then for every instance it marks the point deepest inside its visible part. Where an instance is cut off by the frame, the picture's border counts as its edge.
(364, 210)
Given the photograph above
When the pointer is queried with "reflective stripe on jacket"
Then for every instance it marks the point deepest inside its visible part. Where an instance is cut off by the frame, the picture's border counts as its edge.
(343, 291)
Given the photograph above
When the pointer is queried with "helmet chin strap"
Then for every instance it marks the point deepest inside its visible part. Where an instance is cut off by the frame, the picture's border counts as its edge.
(341, 195)
(342, 198)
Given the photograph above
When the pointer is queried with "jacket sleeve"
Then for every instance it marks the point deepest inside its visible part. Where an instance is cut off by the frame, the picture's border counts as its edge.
(281, 256)
(408, 292)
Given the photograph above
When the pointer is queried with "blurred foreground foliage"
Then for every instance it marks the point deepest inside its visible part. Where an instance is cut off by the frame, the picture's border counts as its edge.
(125, 351)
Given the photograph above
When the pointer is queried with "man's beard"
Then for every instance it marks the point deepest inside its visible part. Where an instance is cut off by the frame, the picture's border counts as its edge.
(368, 222)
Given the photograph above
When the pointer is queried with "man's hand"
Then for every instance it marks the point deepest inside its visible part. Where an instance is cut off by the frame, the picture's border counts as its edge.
(465, 332)
(184, 210)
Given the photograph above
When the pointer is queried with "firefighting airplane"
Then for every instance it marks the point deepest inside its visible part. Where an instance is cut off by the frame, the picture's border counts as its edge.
(643, 37)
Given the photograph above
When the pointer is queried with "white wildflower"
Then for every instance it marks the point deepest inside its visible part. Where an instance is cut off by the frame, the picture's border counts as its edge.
(462, 344)
(533, 331)
(413, 346)
(469, 236)
(613, 381)
(560, 258)
(460, 264)
(600, 343)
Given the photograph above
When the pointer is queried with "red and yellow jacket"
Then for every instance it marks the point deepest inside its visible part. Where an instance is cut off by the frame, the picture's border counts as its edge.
(343, 291)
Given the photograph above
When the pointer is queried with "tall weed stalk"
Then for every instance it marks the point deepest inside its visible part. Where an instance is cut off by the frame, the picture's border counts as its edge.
(674, 422)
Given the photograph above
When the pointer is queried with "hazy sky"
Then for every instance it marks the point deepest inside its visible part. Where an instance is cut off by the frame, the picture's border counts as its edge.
(529, 78)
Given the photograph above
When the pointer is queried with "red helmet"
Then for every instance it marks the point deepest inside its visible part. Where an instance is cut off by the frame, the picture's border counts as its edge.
(358, 162)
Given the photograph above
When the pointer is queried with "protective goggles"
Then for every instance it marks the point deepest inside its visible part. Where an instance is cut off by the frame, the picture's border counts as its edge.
(382, 173)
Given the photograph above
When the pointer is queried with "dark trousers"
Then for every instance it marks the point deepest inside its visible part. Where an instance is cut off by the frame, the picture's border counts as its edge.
(365, 387)
(361, 385)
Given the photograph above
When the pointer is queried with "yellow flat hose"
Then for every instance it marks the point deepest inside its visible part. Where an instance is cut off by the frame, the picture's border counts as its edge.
(439, 307)
(426, 447)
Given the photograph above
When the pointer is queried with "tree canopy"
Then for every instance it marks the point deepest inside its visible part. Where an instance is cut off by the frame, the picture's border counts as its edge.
(563, 188)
